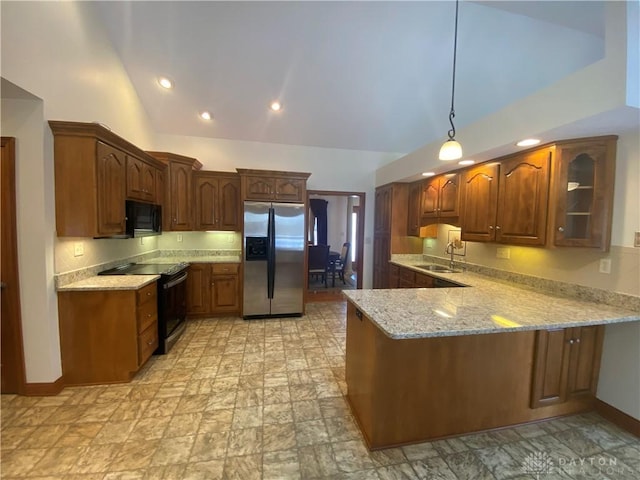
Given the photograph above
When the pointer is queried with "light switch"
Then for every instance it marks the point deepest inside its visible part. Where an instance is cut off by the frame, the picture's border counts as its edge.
(78, 249)
(605, 265)
(636, 240)
(179, 237)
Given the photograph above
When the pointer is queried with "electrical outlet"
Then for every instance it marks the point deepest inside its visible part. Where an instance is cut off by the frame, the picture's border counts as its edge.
(141, 240)
(179, 238)
(78, 249)
(636, 240)
(502, 252)
(605, 265)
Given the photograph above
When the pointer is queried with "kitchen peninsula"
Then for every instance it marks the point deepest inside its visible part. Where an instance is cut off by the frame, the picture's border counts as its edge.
(426, 363)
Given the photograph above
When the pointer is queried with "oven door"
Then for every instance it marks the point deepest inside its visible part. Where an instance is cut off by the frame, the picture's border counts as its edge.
(173, 306)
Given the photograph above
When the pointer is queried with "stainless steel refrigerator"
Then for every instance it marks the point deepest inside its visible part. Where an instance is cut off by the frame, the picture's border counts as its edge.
(273, 259)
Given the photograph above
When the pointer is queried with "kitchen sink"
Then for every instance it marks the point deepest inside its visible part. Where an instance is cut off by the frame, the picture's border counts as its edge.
(437, 268)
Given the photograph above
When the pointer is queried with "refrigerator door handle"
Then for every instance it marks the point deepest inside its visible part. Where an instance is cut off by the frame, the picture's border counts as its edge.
(271, 255)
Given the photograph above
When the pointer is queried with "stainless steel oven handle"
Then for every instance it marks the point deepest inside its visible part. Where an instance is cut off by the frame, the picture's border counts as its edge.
(175, 282)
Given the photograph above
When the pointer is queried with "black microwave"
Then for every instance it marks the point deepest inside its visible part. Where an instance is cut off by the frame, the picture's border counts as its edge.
(143, 219)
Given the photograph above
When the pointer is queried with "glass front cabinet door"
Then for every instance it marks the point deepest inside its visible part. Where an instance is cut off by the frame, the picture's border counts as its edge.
(584, 193)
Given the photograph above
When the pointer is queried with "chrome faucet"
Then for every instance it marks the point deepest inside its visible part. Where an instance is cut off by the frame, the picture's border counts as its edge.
(449, 250)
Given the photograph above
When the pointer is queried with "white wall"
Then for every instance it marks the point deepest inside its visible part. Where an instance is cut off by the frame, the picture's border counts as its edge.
(23, 119)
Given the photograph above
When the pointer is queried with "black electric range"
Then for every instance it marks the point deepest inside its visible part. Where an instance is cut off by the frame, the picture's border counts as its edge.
(172, 297)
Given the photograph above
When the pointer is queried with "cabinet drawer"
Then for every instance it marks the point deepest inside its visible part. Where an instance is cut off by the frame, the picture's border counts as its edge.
(147, 343)
(217, 268)
(148, 293)
(147, 316)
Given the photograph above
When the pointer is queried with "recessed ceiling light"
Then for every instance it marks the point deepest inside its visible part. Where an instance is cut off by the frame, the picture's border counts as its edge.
(428, 174)
(205, 115)
(164, 82)
(466, 162)
(275, 106)
(528, 142)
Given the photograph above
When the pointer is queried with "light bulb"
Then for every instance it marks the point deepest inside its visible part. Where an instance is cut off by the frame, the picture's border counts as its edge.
(450, 150)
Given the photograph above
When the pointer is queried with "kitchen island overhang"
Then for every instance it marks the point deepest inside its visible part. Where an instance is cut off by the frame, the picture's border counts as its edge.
(414, 374)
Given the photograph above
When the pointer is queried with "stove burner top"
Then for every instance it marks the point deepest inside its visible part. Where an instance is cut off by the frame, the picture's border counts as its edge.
(146, 269)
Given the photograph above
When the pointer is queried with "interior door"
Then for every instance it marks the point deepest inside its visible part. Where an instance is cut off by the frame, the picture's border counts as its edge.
(12, 362)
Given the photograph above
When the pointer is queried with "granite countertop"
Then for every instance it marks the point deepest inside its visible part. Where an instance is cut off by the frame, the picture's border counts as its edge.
(483, 306)
(110, 282)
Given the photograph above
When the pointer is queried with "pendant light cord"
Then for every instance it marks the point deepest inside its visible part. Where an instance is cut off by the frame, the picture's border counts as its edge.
(452, 113)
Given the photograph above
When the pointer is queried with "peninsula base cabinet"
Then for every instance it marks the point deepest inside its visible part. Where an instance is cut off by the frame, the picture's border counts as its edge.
(567, 363)
(468, 383)
(106, 336)
(213, 289)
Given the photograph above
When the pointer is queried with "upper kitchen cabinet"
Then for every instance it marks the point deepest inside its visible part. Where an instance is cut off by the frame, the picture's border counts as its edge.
(142, 179)
(177, 211)
(217, 197)
(582, 193)
(440, 199)
(91, 179)
(413, 220)
(506, 201)
(270, 185)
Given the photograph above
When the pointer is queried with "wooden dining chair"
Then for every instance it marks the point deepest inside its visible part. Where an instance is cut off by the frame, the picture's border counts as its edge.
(318, 262)
(340, 264)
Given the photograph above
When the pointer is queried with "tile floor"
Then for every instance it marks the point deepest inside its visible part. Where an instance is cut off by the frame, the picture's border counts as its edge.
(264, 399)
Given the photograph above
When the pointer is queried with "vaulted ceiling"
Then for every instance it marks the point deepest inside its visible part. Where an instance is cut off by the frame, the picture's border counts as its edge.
(356, 75)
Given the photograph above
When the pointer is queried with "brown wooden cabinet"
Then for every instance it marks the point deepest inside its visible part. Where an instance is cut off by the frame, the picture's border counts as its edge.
(142, 178)
(95, 172)
(390, 230)
(271, 185)
(106, 335)
(213, 289)
(414, 209)
(582, 193)
(440, 199)
(177, 213)
(506, 201)
(566, 364)
(217, 201)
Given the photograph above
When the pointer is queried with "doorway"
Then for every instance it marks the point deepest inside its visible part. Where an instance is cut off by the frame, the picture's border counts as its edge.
(343, 223)
(12, 371)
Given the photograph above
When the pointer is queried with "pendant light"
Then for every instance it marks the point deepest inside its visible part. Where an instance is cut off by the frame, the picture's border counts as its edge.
(451, 149)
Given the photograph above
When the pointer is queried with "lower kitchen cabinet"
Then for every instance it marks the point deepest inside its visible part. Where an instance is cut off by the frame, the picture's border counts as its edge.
(106, 335)
(566, 364)
(213, 289)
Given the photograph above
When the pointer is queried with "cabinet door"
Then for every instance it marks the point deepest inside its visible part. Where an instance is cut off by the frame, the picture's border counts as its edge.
(522, 199)
(413, 222)
(480, 200)
(449, 195)
(424, 281)
(198, 289)
(111, 191)
(207, 207)
(430, 191)
(229, 204)
(551, 367)
(290, 189)
(381, 248)
(382, 220)
(141, 180)
(180, 196)
(224, 294)
(260, 188)
(160, 192)
(584, 359)
(394, 276)
(583, 189)
(407, 278)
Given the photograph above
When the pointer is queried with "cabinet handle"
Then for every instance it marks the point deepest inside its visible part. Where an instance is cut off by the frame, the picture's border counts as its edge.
(577, 340)
(571, 342)
(358, 314)
(150, 342)
(148, 294)
(148, 315)
(497, 227)
(490, 227)
(560, 229)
